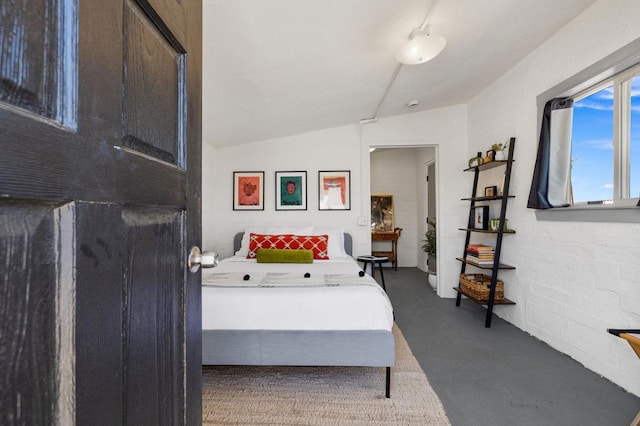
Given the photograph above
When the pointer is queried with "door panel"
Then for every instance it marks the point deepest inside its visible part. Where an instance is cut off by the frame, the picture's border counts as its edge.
(99, 309)
(104, 320)
(38, 57)
(153, 272)
(36, 312)
(154, 88)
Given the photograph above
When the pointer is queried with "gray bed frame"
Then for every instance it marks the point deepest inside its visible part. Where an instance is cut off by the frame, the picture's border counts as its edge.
(362, 348)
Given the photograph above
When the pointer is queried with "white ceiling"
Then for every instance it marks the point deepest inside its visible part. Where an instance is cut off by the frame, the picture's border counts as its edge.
(275, 68)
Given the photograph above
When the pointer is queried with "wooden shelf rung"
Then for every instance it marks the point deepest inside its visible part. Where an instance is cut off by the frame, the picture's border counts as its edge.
(500, 265)
(504, 301)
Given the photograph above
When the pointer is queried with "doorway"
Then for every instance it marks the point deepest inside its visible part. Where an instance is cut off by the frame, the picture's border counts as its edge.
(401, 172)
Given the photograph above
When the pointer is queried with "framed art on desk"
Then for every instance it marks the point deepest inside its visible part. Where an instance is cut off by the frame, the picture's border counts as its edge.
(382, 214)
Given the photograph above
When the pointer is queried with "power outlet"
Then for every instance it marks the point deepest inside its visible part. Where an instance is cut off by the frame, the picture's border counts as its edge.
(363, 221)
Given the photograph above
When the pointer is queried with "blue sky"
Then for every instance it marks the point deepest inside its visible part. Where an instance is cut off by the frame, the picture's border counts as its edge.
(592, 148)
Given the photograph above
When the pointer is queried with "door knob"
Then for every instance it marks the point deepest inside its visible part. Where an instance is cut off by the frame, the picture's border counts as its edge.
(197, 258)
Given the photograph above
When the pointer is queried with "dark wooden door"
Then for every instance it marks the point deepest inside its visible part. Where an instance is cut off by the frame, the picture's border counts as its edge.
(100, 134)
(431, 206)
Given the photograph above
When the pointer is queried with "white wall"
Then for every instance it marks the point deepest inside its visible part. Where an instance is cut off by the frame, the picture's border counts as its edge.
(330, 149)
(210, 189)
(573, 279)
(342, 148)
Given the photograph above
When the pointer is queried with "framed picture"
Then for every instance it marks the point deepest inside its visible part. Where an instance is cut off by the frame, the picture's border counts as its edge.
(480, 218)
(291, 190)
(334, 190)
(382, 213)
(490, 155)
(248, 190)
(490, 191)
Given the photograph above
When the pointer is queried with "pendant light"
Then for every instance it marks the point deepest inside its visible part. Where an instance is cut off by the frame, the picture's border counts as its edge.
(422, 45)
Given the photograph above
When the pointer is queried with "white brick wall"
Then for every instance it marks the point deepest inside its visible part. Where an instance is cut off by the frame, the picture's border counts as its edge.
(574, 279)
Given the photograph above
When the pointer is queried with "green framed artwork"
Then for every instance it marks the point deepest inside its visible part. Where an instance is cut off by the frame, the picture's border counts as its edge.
(291, 190)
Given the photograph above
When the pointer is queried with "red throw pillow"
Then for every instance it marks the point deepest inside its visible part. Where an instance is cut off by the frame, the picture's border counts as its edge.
(258, 241)
(318, 244)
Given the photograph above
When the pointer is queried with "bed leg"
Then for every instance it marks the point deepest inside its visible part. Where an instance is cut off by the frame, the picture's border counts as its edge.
(388, 383)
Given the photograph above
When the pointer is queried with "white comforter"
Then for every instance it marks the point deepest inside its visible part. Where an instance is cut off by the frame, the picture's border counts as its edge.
(333, 297)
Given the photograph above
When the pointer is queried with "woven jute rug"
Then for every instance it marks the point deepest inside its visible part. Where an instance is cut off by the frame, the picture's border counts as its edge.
(321, 395)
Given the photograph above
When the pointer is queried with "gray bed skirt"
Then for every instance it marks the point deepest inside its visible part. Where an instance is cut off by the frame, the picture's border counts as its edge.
(364, 348)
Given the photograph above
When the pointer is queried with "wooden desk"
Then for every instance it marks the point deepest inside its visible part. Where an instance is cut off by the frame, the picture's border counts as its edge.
(392, 237)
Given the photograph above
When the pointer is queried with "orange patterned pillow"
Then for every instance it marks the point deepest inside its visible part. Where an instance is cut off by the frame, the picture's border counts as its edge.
(318, 244)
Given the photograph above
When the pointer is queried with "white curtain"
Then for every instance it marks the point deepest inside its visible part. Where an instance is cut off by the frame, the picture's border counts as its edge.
(551, 185)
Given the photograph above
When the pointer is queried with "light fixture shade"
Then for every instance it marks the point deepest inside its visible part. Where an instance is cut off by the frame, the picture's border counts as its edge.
(421, 48)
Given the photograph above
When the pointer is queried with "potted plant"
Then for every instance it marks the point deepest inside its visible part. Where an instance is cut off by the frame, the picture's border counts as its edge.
(429, 247)
(499, 151)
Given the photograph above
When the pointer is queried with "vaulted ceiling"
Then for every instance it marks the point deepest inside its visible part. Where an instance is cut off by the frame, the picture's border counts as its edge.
(275, 68)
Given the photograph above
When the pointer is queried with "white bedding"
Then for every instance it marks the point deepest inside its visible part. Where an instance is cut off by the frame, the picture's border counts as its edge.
(269, 301)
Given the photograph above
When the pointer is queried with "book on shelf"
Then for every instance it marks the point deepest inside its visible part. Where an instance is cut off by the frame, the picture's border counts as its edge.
(480, 248)
(483, 255)
(476, 261)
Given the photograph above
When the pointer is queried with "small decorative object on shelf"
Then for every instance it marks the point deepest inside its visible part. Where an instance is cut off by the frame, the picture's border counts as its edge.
(479, 285)
(476, 161)
(494, 225)
(489, 156)
(490, 191)
(480, 218)
(499, 151)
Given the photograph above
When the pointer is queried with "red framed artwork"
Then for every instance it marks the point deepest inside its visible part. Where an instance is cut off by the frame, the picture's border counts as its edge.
(248, 190)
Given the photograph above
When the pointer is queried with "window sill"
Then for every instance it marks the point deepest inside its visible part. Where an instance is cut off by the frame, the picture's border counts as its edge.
(597, 213)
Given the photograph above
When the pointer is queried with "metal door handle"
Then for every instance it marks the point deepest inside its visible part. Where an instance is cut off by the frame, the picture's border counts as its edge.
(197, 258)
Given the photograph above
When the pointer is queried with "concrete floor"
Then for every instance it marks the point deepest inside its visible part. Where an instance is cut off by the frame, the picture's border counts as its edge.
(500, 375)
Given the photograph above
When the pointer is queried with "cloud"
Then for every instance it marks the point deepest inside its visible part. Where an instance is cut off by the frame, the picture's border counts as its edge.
(606, 144)
(606, 93)
(607, 186)
(592, 104)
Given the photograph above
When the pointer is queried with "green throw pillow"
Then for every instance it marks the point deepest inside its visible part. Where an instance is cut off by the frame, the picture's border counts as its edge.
(284, 256)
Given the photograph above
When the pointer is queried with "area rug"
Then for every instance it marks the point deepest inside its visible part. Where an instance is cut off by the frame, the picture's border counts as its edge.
(321, 395)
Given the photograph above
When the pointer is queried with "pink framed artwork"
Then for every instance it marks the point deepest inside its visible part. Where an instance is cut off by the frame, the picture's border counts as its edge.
(248, 190)
(334, 190)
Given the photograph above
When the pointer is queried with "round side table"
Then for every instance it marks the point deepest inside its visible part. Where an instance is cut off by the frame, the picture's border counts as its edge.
(373, 260)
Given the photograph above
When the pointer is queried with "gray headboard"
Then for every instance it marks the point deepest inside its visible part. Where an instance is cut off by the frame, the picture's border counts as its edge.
(348, 242)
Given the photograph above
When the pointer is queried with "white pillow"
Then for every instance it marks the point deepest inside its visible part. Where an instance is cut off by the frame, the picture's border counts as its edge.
(336, 240)
(294, 230)
(244, 245)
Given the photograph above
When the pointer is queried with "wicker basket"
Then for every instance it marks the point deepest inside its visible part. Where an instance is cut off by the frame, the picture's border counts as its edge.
(478, 285)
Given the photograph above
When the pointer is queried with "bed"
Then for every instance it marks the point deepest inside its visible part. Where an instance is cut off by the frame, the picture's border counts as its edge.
(271, 314)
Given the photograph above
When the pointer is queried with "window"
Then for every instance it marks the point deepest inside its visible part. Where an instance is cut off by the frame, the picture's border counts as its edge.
(605, 143)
